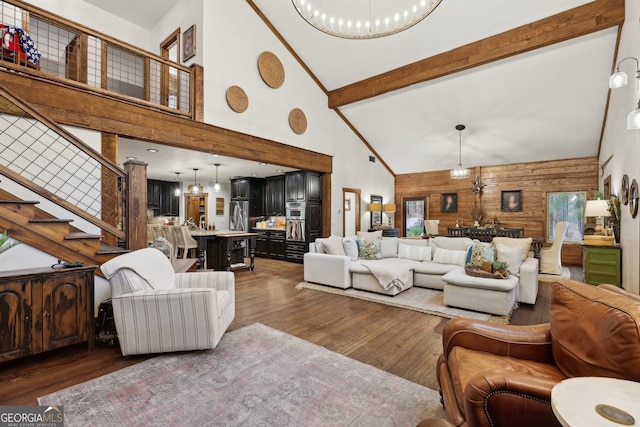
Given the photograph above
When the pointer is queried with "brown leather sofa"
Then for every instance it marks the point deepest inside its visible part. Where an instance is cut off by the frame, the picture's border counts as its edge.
(502, 375)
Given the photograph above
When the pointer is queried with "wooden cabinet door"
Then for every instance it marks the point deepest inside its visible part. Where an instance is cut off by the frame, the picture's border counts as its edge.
(15, 319)
(64, 316)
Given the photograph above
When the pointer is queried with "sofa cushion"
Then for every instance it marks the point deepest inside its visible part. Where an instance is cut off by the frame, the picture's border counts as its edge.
(369, 250)
(414, 252)
(460, 278)
(434, 268)
(524, 243)
(350, 247)
(512, 256)
(451, 243)
(369, 236)
(449, 256)
(389, 247)
(333, 245)
(357, 267)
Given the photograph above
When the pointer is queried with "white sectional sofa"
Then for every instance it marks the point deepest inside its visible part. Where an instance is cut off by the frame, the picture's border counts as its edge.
(427, 260)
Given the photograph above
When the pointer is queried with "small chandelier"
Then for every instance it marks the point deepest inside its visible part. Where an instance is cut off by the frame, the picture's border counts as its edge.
(195, 188)
(364, 19)
(216, 186)
(460, 172)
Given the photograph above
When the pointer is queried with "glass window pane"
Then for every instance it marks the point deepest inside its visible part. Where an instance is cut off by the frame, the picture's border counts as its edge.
(414, 217)
(566, 206)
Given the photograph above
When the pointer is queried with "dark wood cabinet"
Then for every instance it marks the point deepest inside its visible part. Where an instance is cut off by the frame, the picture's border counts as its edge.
(303, 186)
(314, 221)
(161, 197)
(271, 244)
(251, 190)
(274, 196)
(43, 309)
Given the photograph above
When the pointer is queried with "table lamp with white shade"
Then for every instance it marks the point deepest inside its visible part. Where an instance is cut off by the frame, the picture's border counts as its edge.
(598, 209)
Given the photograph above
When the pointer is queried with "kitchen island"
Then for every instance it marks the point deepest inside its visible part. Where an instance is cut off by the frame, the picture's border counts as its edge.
(225, 249)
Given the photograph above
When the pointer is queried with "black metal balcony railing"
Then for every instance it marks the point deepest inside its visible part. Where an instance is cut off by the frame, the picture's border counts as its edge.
(77, 54)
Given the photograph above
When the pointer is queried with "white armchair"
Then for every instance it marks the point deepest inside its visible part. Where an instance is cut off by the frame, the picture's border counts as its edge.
(550, 261)
(157, 310)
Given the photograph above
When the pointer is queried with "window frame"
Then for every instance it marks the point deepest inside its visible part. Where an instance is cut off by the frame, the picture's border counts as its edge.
(579, 220)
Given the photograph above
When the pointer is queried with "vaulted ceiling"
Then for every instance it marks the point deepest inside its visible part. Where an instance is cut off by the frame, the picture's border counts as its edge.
(528, 79)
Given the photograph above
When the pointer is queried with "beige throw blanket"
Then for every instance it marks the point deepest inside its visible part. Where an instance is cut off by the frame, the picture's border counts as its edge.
(389, 275)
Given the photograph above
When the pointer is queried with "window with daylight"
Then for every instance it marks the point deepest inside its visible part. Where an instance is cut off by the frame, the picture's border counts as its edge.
(566, 206)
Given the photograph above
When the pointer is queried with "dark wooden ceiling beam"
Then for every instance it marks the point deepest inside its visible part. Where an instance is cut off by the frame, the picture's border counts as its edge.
(579, 21)
(91, 110)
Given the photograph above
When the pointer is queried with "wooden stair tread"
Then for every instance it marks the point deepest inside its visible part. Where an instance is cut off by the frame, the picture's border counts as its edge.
(82, 235)
(22, 202)
(107, 249)
(49, 220)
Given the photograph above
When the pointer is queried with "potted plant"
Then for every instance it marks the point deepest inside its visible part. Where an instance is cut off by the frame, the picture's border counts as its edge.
(500, 269)
(5, 244)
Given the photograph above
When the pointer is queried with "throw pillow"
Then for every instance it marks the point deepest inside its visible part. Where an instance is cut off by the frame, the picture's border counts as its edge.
(333, 245)
(524, 243)
(389, 247)
(512, 256)
(370, 250)
(369, 236)
(448, 256)
(416, 253)
(480, 253)
(350, 248)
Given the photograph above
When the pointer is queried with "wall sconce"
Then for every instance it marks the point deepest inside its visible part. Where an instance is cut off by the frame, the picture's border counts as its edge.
(619, 79)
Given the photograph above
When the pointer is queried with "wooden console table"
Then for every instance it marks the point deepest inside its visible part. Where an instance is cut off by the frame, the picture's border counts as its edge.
(47, 309)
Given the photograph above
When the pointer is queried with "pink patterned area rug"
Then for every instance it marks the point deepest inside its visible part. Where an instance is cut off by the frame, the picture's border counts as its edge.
(257, 376)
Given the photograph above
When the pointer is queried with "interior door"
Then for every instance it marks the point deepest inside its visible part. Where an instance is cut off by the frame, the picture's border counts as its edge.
(350, 211)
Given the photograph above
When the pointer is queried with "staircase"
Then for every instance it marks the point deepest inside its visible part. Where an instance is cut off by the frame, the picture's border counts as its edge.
(55, 236)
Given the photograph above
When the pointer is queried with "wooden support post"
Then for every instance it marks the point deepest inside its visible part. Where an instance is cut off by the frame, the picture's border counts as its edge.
(110, 205)
(197, 93)
(136, 193)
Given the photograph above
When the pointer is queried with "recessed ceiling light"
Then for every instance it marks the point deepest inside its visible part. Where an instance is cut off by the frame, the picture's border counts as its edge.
(131, 158)
(279, 170)
(254, 174)
(215, 155)
(263, 164)
(152, 150)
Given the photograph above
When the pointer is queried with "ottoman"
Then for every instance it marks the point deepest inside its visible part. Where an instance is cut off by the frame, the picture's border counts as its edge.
(495, 296)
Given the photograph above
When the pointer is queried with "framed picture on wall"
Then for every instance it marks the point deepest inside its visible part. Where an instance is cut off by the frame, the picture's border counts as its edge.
(189, 43)
(449, 202)
(511, 201)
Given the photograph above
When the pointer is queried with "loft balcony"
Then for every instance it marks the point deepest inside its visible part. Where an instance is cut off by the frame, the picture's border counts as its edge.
(74, 55)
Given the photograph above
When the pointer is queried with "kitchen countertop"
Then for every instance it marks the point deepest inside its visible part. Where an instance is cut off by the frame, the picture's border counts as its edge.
(221, 233)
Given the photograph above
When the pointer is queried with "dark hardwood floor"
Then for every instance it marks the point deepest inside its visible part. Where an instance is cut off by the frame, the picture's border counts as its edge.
(403, 342)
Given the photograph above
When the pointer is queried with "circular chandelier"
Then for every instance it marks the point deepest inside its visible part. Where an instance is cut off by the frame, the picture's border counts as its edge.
(364, 19)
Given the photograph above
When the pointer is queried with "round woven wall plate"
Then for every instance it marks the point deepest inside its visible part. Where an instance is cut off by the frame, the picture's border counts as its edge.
(237, 99)
(271, 69)
(298, 121)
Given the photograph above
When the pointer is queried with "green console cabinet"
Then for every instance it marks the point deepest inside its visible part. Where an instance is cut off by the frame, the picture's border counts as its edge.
(602, 264)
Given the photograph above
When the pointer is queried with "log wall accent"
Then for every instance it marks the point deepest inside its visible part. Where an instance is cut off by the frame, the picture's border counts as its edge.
(534, 179)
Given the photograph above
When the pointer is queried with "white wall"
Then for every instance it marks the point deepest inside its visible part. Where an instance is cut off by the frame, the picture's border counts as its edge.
(230, 53)
(624, 145)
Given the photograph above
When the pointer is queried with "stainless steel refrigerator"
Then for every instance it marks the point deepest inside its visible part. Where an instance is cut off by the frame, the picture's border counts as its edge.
(239, 216)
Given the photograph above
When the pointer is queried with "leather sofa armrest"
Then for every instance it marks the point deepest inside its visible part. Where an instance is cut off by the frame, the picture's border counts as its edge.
(522, 342)
(507, 398)
(436, 422)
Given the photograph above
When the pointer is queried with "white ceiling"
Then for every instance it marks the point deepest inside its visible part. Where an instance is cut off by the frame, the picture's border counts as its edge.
(145, 13)
(542, 105)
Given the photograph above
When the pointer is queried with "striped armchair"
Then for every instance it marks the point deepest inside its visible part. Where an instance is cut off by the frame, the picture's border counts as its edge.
(157, 310)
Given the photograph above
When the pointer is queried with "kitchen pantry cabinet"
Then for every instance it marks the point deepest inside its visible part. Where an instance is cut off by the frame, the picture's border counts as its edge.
(274, 196)
(43, 309)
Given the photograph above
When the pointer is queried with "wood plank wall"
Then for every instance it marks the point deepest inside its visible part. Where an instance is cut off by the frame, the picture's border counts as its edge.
(534, 179)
